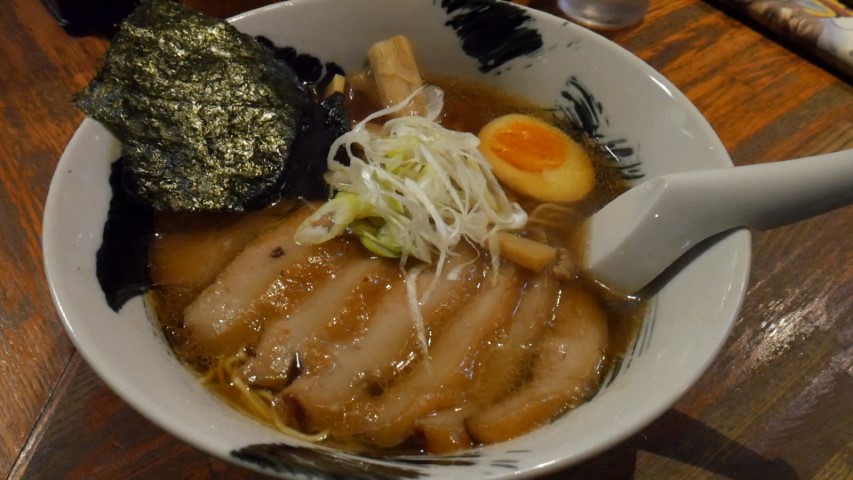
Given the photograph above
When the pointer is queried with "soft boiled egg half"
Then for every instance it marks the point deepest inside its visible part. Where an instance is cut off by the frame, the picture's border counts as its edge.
(537, 159)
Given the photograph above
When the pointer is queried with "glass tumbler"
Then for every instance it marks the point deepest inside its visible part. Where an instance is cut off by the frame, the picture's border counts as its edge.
(605, 14)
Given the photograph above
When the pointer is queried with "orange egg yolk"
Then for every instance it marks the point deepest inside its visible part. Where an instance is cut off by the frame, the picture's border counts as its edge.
(530, 147)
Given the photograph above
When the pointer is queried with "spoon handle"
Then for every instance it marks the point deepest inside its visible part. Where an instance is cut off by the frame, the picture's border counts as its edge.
(768, 195)
(638, 235)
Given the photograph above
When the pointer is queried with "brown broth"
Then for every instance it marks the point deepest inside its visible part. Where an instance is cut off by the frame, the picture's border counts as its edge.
(190, 250)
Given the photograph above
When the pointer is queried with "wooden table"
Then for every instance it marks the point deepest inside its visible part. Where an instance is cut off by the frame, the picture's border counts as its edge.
(777, 403)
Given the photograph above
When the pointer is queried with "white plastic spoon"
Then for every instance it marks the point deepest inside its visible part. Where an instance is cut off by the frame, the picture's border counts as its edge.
(637, 236)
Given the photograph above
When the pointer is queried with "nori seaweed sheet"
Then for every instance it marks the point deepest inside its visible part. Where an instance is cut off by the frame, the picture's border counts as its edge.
(205, 114)
(326, 121)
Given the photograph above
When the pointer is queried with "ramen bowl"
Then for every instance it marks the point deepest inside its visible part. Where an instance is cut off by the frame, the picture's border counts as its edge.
(649, 127)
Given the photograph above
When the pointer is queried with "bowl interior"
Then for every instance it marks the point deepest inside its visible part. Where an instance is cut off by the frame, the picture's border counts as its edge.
(632, 109)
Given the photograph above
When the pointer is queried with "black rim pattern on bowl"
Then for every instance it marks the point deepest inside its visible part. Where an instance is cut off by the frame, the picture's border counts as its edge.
(492, 32)
(323, 463)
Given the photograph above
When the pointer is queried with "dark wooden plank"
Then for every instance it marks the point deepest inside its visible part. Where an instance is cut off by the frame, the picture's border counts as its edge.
(42, 67)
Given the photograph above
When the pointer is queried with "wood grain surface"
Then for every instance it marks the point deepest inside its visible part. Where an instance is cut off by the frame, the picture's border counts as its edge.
(776, 404)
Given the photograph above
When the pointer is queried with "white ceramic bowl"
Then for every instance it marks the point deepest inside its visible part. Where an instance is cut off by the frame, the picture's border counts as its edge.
(622, 100)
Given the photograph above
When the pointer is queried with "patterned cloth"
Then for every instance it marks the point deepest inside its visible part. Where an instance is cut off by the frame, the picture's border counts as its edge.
(824, 27)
